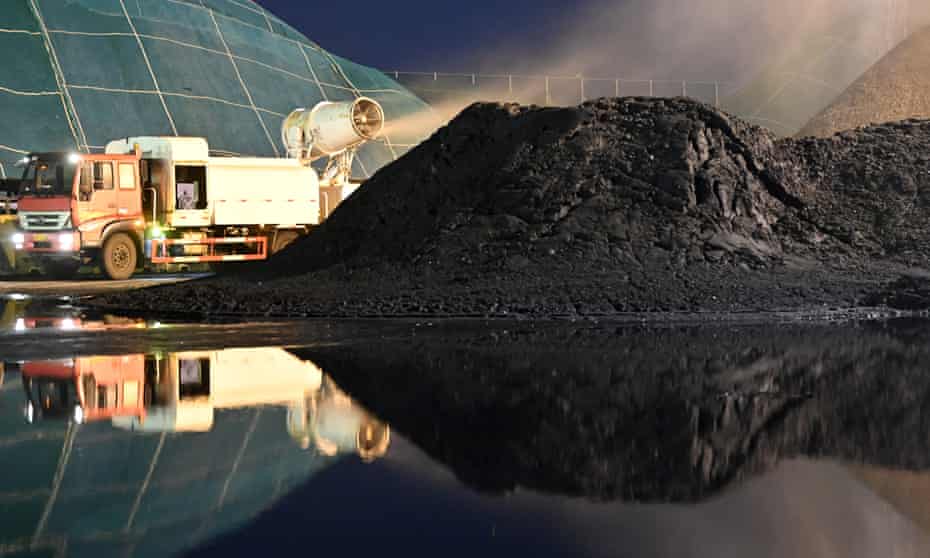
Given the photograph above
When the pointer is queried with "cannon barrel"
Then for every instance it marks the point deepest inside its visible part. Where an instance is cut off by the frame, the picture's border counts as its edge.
(331, 127)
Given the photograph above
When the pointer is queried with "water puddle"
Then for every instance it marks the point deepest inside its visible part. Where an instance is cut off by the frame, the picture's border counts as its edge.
(500, 440)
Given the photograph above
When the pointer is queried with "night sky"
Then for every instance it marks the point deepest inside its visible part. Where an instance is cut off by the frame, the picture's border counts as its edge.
(704, 40)
(427, 34)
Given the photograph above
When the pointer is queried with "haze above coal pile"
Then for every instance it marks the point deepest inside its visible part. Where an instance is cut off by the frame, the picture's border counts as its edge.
(724, 40)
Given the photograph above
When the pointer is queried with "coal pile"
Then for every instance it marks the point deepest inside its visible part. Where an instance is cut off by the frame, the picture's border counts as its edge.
(896, 88)
(616, 206)
(513, 186)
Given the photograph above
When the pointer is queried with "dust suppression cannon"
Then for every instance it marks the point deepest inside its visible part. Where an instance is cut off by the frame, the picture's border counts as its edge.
(331, 128)
(334, 130)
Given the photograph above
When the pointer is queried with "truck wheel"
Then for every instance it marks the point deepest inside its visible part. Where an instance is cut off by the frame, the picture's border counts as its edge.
(119, 257)
(62, 270)
(282, 239)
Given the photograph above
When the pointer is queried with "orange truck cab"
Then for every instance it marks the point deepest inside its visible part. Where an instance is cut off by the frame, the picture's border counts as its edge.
(73, 208)
(85, 389)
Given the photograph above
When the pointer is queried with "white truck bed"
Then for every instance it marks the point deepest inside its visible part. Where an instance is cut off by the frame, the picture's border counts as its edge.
(262, 191)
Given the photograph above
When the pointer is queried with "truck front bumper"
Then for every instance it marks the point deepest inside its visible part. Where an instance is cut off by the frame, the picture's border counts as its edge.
(59, 242)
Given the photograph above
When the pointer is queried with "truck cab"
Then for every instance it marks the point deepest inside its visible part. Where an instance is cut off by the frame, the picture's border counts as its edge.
(73, 207)
(84, 389)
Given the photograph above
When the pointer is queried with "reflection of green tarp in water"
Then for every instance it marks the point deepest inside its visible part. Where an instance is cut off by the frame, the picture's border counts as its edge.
(159, 493)
(126, 488)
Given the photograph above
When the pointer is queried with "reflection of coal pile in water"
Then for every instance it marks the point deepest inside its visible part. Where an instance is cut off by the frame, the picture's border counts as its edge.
(648, 415)
(629, 205)
(158, 452)
(896, 88)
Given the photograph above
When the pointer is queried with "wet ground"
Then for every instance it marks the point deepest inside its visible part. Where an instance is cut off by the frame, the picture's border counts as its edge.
(134, 437)
(89, 286)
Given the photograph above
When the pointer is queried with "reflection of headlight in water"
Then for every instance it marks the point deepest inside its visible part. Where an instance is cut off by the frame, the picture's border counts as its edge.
(68, 324)
(373, 440)
(20, 324)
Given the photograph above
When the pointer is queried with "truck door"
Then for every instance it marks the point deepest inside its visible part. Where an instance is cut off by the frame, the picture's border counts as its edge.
(128, 197)
(97, 197)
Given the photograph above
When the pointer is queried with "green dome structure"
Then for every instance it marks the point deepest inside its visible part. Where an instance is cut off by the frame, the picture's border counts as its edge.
(80, 73)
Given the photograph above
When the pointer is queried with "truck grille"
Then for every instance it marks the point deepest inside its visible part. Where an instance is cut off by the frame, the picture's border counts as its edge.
(42, 221)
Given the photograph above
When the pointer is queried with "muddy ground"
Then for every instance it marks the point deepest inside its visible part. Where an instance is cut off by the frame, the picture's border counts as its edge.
(646, 414)
(614, 207)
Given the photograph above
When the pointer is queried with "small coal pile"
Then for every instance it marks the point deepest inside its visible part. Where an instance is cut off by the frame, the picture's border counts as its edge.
(896, 88)
(869, 189)
(616, 206)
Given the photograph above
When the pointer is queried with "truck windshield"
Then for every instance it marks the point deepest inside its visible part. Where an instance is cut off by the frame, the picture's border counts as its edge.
(48, 176)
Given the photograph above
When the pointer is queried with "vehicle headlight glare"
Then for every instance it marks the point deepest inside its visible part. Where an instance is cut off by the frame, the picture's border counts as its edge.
(66, 239)
(18, 238)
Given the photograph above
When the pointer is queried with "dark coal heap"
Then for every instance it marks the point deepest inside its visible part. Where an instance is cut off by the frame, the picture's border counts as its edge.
(604, 183)
(615, 206)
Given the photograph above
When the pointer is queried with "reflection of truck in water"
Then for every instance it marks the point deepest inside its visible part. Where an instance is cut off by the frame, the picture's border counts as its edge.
(333, 423)
(84, 389)
(180, 392)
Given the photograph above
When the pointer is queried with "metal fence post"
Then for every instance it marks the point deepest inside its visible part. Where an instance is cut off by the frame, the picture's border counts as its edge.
(717, 94)
(510, 86)
(548, 93)
(396, 75)
(617, 88)
(684, 89)
(474, 80)
(652, 88)
(583, 99)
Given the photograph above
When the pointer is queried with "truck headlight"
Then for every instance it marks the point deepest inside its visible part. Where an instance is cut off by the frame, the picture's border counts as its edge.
(18, 239)
(66, 241)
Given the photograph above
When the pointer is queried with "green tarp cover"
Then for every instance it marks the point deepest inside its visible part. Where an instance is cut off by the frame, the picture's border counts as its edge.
(79, 73)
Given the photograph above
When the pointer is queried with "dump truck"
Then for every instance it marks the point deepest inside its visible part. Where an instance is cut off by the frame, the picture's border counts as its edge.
(167, 200)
